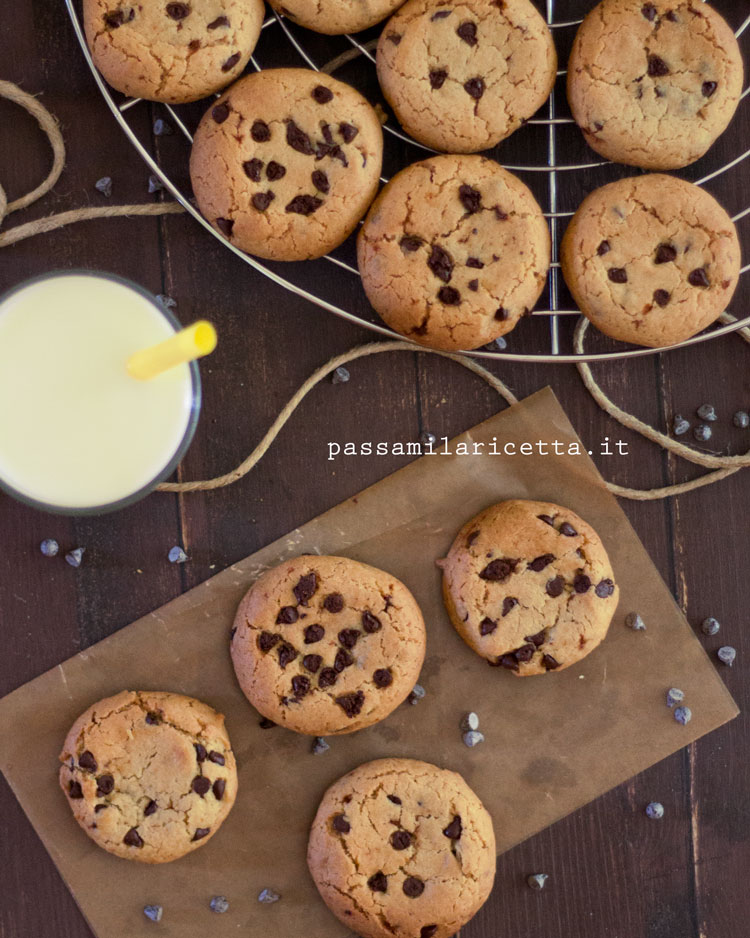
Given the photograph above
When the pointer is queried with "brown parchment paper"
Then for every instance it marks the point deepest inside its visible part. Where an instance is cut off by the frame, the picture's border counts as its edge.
(584, 730)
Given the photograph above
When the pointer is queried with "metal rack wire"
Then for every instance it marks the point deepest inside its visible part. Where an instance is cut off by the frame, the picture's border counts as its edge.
(277, 23)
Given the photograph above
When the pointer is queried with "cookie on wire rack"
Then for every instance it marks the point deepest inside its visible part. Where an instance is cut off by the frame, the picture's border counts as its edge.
(335, 17)
(172, 52)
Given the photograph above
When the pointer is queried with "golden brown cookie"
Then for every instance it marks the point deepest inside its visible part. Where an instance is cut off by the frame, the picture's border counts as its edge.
(172, 52)
(463, 76)
(335, 17)
(326, 645)
(653, 84)
(286, 162)
(651, 260)
(528, 585)
(150, 776)
(402, 849)
(454, 251)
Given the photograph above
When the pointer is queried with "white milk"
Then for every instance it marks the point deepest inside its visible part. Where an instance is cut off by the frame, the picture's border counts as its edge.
(76, 431)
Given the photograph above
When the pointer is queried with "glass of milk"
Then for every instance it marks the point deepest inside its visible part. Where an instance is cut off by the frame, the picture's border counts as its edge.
(78, 434)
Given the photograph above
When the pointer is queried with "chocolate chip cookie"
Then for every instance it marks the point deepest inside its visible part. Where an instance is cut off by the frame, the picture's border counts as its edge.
(149, 776)
(172, 52)
(286, 162)
(651, 260)
(463, 76)
(326, 645)
(402, 848)
(455, 250)
(653, 84)
(335, 17)
(528, 585)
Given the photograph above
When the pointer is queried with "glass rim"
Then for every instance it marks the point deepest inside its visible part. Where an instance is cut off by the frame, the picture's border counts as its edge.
(187, 437)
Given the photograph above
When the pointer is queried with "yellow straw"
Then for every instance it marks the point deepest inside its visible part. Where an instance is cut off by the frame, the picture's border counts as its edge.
(185, 346)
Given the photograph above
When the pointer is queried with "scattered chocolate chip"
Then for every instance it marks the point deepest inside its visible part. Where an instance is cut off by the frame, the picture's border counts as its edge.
(321, 94)
(201, 832)
(537, 639)
(266, 641)
(304, 204)
(328, 678)
(153, 912)
(230, 62)
(298, 139)
(662, 297)
(726, 654)
(305, 588)
(351, 704)
(383, 677)
(708, 88)
(74, 557)
(221, 112)
(474, 87)
(219, 21)
(219, 904)
(657, 67)
(104, 185)
(550, 663)
(649, 11)
(617, 274)
(314, 633)
(153, 718)
(287, 654)
(674, 696)
(604, 588)
(260, 131)
(339, 823)
(539, 563)
(635, 622)
(334, 602)
(268, 896)
(252, 169)
(604, 248)
(655, 810)
(437, 78)
(163, 129)
(665, 254)
(510, 602)
(581, 583)
(87, 761)
(400, 840)
(394, 798)
(105, 785)
(473, 738)
(275, 171)
(200, 785)
(132, 838)
(497, 571)
(417, 693)
(440, 263)
(468, 32)
(49, 547)
(454, 829)
(320, 181)
(312, 663)
(287, 615)
(349, 637)
(471, 199)
(703, 433)
(320, 746)
(710, 626)
(680, 425)
(487, 626)
(301, 684)
(348, 131)
(699, 278)
(449, 296)
(683, 715)
(225, 226)
(378, 882)
(413, 887)
(555, 587)
(537, 880)
(342, 660)
(741, 420)
(150, 808)
(74, 790)
(370, 623)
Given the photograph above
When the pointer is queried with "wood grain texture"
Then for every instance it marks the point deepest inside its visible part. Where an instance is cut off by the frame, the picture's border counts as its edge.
(612, 872)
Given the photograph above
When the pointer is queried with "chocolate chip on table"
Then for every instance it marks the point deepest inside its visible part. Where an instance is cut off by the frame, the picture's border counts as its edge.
(635, 622)
(104, 185)
(75, 557)
(550, 663)
(348, 131)
(674, 696)
(400, 840)
(305, 588)
(370, 623)
(219, 904)
(178, 11)
(349, 637)
(741, 420)
(49, 547)
(87, 761)
(105, 785)
(710, 626)
(252, 169)
(537, 881)
(427, 439)
(230, 62)
(150, 808)
(378, 882)
(604, 588)
(440, 263)
(474, 87)
(328, 677)
(154, 184)
(382, 677)
(469, 721)
(487, 626)
(312, 663)
(662, 298)
(707, 412)
(219, 21)
(218, 788)
(417, 693)
(617, 274)
(266, 641)
(298, 139)
(471, 199)
(319, 746)
(225, 226)
(74, 790)
(510, 602)
(680, 426)
(313, 634)
(153, 912)
(604, 248)
(539, 563)
(699, 278)
(581, 583)
(703, 433)
(655, 810)
(437, 78)
(304, 204)
(176, 555)
(321, 94)
(201, 832)
(497, 571)
(132, 838)
(340, 375)
(708, 88)
(449, 296)
(683, 715)
(220, 113)
(726, 654)
(665, 254)
(200, 785)
(555, 587)
(287, 615)
(649, 11)
(163, 128)
(454, 829)
(351, 704)
(287, 654)
(657, 67)
(268, 896)
(473, 738)
(260, 131)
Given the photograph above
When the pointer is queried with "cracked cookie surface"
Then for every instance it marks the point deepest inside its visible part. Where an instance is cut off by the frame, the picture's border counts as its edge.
(286, 162)
(402, 848)
(463, 76)
(327, 645)
(172, 52)
(528, 585)
(454, 251)
(654, 84)
(149, 776)
(334, 17)
(651, 259)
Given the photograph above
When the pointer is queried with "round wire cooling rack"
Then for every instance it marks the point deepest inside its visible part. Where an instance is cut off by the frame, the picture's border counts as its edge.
(360, 50)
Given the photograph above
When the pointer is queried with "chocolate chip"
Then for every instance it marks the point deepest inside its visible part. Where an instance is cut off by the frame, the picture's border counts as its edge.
(266, 724)
(312, 663)
(301, 685)
(665, 254)
(437, 78)
(657, 67)
(225, 226)
(499, 570)
(454, 829)
(339, 823)
(604, 248)
(547, 519)
(409, 244)
(395, 38)
(510, 602)
(539, 563)
(150, 808)
(413, 887)
(349, 637)
(468, 32)
(178, 11)
(218, 788)
(304, 204)
(474, 261)
(348, 131)
(132, 838)
(314, 633)
(394, 798)
(501, 216)
(370, 623)
(74, 790)
(537, 639)
(525, 652)
(105, 785)
(473, 285)
(440, 15)
(567, 529)
(449, 296)
(87, 761)
(252, 169)
(275, 171)
(100, 807)
(201, 832)
(351, 704)
(321, 94)
(474, 87)
(320, 181)
(216, 757)
(428, 931)
(555, 586)
(440, 263)
(604, 588)
(699, 278)
(230, 62)
(487, 626)
(342, 660)
(471, 538)
(266, 641)
(219, 21)
(649, 11)
(336, 153)
(287, 654)
(383, 677)
(708, 88)
(200, 749)
(200, 785)
(116, 19)
(400, 840)
(153, 718)
(298, 139)
(221, 112)
(617, 274)
(378, 882)
(672, 17)
(581, 583)
(305, 588)
(471, 199)
(328, 678)
(508, 661)
(662, 297)
(287, 615)
(550, 663)
(260, 131)
(334, 602)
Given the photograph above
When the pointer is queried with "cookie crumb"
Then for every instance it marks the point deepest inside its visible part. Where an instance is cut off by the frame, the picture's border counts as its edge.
(710, 626)
(655, 810)
(177, 555)
(537, 881)
(219, 904)
(634, 621)
(319, 746)
(75, 557)
(726, 654)
(472, 738)
(683, 715)
(470, 721)
(49, 547)
(104, 185)
(153, 912)
(268, 896)
(674, 696)
(418, 693)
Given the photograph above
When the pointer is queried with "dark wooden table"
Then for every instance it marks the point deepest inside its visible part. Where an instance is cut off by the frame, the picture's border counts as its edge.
(613, 873)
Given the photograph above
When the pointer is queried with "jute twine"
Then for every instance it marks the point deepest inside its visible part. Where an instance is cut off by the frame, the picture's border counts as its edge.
(720, 466)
